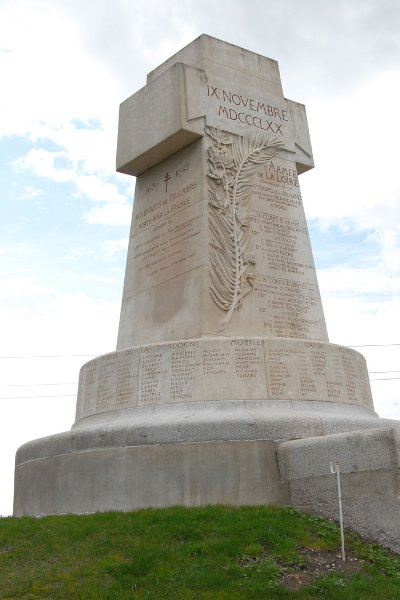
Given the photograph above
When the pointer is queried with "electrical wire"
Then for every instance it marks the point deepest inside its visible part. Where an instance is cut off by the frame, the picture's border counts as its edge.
(91, 355)
(30, 397)
(49, 356)
(34, 384)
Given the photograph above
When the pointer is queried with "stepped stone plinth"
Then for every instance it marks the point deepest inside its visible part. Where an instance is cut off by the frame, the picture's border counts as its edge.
(222, 348)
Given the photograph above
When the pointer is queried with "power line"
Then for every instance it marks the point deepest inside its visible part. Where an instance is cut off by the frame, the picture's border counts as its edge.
(385, 379)
(34, 384)
(380, 372)
(30, 397)
(49, 356)
(371, 346)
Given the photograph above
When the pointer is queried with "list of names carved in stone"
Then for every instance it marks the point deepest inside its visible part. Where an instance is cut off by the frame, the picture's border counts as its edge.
(316, 371)
(87, 389)
(289, 308)
(212, 370)
(285, 283)
(194, 372)
(166, 222)
(248, 361)
(108, 383)
(279, 244)
(152, 372)
(363, 381)
(185, 365)
(126, 378)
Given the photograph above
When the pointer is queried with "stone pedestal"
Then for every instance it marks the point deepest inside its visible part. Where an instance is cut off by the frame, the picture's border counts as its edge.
(222, 348)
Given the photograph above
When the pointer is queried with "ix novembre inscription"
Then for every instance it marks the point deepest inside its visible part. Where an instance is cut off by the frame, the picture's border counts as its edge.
(261, 114)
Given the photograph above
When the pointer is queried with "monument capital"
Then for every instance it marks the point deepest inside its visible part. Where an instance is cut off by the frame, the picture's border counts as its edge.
(208, 83)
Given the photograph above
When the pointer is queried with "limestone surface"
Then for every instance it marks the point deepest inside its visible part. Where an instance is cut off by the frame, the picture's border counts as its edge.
(222, 353)
(219, 242)
(370, 479)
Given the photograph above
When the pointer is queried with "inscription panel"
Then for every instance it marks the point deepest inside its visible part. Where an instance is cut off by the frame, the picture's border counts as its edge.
(260, 254)
(276, 289)
(289, 308)
(221, 369)
(238, 108)
(316, 371)
(166, 222)
(109, 382)
(195, 371)
(285, 288)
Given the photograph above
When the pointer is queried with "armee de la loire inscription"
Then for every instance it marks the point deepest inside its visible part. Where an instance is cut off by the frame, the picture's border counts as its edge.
(222, 352)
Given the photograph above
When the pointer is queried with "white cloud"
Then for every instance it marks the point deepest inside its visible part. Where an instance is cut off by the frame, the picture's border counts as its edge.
(50, 103)
(67, 324)
(359, 280)
(88, 145)
(12, 249)
(43, 163)
(28, 192)
(112, 248)
(97, 189)
(389, 242)
(47, 75)
(19, 287)
(110, 214)
(355, 150)
(106, 280)
(360, 321)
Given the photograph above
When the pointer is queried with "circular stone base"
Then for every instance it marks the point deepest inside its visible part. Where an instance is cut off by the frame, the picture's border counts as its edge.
(208, 453)
(132, 477)
(221, 369)
(192, 422)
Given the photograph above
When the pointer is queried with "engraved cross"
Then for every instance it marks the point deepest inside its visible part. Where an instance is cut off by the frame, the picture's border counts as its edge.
(166, 179)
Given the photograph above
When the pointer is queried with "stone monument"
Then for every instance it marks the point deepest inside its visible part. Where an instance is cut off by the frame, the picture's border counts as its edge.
(222, 348)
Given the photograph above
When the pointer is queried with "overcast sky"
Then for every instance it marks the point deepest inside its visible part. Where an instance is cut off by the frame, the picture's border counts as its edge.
(65, 65)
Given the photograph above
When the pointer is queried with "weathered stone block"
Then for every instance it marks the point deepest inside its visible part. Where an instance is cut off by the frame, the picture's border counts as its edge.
(370, 479)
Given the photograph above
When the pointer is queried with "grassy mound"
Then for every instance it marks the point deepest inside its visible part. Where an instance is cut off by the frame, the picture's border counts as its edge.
(216, 553)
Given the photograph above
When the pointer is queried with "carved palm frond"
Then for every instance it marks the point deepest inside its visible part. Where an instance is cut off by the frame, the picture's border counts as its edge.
(232, 162)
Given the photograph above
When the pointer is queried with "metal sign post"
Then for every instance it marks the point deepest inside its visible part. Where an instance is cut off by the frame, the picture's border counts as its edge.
(335, 469)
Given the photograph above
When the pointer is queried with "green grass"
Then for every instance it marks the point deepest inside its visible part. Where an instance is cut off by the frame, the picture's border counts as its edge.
(216, 553)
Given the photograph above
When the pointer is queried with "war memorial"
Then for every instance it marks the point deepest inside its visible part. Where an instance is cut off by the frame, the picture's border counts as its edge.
(223, 387)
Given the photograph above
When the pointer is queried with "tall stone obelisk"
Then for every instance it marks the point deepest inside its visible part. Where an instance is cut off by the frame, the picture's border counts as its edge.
(222, 346)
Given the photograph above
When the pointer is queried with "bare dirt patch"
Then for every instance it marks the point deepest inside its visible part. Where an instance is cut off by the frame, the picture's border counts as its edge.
(317, 563)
